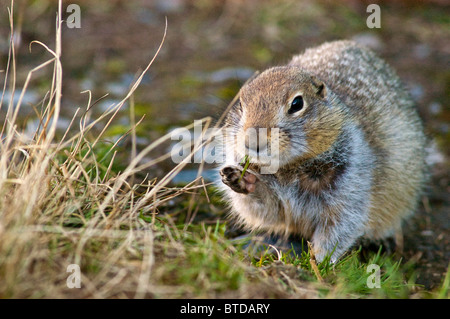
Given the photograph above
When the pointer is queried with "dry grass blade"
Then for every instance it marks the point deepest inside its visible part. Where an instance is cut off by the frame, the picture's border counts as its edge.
(312, 261)
(47, 186)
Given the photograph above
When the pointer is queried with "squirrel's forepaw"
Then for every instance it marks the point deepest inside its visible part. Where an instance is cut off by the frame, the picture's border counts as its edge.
(231, 176)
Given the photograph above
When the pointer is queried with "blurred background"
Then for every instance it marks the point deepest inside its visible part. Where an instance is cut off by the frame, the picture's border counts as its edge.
(212, 47)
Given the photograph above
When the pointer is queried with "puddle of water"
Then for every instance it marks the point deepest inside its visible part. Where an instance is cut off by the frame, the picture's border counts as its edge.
(29, 97)
(188, 175)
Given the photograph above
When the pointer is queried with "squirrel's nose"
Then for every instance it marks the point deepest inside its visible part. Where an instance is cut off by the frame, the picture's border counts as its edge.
(256, 139)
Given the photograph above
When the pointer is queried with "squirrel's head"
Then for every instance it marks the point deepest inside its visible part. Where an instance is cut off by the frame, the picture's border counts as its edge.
(288, 111)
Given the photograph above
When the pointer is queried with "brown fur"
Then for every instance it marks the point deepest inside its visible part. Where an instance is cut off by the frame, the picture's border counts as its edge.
(352, 159)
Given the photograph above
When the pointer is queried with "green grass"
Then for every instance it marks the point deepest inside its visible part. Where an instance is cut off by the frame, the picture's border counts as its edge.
(245, 162)
(349, 276)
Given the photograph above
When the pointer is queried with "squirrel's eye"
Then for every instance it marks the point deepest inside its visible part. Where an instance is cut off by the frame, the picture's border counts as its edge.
(296, 105)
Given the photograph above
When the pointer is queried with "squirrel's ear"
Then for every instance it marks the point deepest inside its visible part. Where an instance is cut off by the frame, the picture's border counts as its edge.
(319, 86)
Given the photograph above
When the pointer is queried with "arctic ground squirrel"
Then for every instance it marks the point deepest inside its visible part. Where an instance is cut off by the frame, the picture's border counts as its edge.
(349, 151)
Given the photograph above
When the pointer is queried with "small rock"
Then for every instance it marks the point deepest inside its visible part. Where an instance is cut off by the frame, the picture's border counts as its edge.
(433, 155)
(170, 6)
(241, 74)
(417, 92)
(427, 233)
(369, 40)
(435, 108)
(422, 51)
